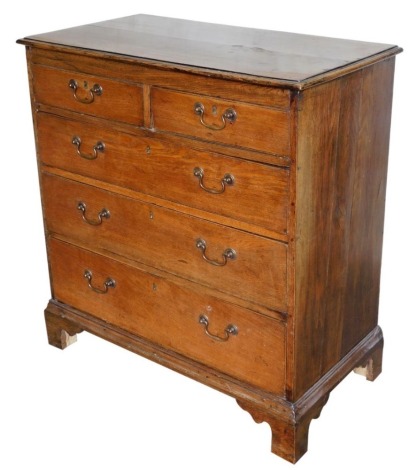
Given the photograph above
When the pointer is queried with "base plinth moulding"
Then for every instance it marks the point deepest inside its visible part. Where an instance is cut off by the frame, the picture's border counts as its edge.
(289, 421)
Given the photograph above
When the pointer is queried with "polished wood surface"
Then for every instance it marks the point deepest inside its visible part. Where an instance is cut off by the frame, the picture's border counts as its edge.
(257, 128)
(147, 165)
(118, 101)
(289, 421)
(125, 68)
(167, 239)
(308, 153)
(339, 234)
(168, 315)
(283, 56)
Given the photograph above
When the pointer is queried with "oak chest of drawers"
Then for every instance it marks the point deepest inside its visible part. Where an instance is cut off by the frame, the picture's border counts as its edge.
(213, 200)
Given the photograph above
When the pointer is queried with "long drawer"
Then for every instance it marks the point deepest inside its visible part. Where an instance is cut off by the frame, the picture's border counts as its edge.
(242, 264)
(250, 192)
(89, 94)
(228, 122)
(142, 304)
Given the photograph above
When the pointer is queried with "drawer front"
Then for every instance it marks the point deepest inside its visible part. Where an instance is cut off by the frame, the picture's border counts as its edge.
(143, 305)
(249, 126)
(167, 240)
(91, 95)
(258, 194)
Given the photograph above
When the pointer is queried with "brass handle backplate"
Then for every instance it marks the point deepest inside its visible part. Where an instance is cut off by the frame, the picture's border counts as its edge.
(99, 147)
(103, 214)
(228, 253)
(109, 282)
(96, 90)
(229, 116)
(229, 330)
(227, 180)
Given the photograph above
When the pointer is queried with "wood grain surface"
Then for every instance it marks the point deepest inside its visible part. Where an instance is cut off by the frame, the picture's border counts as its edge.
(341, 181)
(283, 56)
(163, 169)
(118, 101)
(167, 239)
(308, 152)
(257, 128)
(168, 315)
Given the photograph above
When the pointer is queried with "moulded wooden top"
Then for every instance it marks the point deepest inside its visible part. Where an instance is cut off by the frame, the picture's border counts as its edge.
(284, 58)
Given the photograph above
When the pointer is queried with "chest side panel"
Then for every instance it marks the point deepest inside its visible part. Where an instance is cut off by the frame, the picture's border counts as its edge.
(342, 152)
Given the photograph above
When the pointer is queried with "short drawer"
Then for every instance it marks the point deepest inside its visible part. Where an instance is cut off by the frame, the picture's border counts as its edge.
(244, 345)
(228, 122)
(87, 94)
(254, 193)
(236, 262)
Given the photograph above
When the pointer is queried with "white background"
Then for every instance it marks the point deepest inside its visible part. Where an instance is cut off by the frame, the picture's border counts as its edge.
(97, 406)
